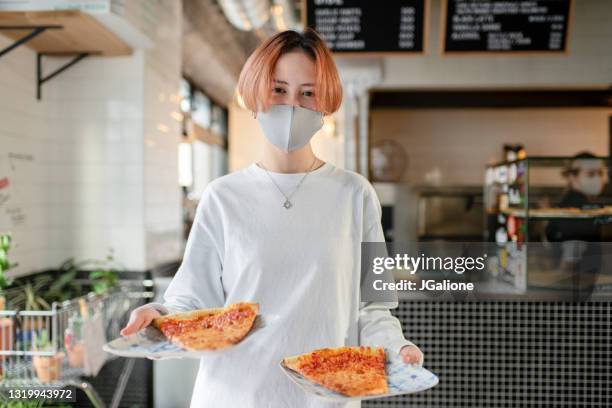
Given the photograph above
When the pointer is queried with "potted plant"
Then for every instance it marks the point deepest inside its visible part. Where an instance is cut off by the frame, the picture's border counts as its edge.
(33, 301)
(31, 290)
(5, 265)
(73, 335)
(24, 294)
(6, 323)
(105, 275)
(48, 367)
(65, 285)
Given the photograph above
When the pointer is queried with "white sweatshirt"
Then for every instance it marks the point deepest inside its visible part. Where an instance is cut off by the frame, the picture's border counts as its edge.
(302, 266)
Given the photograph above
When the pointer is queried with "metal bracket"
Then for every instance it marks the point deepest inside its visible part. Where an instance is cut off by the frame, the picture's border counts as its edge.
(36, 30)
(40, 80)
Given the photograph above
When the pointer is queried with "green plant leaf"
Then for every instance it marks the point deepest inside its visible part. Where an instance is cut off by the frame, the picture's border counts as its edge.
(4, 262)
(5, 242)
(100, 287)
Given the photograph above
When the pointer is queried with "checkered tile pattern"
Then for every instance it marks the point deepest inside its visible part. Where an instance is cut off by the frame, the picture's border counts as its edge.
(511, 354)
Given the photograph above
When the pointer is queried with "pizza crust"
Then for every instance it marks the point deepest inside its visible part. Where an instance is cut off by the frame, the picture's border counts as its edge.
(351, 371)
(209, 329)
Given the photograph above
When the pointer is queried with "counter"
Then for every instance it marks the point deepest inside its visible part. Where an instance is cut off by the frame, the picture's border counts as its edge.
(515, 352)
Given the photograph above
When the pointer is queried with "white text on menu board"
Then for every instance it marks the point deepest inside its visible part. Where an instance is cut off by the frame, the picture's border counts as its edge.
(407, 28)
(473, 18)
(340, 27)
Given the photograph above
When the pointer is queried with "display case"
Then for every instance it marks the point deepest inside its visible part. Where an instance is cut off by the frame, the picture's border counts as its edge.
(550, 219)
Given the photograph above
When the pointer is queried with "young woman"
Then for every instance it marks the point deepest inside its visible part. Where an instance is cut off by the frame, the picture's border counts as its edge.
(285, 232)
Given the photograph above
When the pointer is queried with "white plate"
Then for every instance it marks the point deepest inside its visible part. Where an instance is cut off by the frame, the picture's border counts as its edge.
(402, 379)
(151, 343)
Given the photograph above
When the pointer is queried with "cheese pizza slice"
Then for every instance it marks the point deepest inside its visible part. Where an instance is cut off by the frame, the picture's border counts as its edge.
(209, 329)
(351, 371)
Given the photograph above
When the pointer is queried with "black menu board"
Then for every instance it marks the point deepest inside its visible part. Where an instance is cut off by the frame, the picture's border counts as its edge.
(506, 25)
(362, 26)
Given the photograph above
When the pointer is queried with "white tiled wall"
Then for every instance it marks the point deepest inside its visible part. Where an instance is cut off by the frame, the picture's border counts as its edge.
(162, 127)
(98, 154)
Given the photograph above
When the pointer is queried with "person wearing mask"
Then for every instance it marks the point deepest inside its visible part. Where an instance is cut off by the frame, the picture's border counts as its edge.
(586, 177)
(576, 249)
(285, 232)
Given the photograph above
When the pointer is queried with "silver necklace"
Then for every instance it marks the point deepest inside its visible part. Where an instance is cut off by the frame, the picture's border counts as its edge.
(288, 204)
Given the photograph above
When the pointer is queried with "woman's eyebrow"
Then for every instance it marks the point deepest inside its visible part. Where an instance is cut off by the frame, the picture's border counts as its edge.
(287, 83)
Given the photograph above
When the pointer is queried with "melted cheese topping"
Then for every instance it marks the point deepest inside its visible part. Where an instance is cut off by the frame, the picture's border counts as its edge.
(174, 327)
(322, 362)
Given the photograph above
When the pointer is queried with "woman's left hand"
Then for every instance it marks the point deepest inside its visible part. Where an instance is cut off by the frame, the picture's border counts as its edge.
(412, 355)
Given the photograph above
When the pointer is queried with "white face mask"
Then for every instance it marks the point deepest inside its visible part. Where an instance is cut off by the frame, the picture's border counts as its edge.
(590, 186)
(289, 127)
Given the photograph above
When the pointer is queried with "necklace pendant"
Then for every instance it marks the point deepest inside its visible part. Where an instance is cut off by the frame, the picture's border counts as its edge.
(287, 204)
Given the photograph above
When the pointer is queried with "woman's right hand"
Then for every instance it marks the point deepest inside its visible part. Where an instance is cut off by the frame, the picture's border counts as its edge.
(140, 318)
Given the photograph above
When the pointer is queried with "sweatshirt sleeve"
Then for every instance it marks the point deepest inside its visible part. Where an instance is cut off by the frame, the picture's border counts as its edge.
(377, 326)
(197, 283)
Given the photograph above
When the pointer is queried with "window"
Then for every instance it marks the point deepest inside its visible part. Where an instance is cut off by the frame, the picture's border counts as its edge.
(201, 110)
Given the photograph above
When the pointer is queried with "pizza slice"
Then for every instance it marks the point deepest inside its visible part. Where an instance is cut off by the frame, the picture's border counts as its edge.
(209, 329)
(351, 371)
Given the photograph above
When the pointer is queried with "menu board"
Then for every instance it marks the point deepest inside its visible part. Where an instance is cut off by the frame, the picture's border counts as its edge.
(361, 26)
(506, 26)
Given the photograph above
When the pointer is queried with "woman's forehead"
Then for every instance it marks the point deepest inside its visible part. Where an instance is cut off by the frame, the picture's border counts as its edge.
(294, 68)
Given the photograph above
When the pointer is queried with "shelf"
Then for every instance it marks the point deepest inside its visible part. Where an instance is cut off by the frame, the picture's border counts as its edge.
(542, 160)
(79, 33)
(565, 213)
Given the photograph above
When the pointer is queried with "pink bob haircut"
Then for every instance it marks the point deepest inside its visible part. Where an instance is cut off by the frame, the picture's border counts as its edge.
(255, 81)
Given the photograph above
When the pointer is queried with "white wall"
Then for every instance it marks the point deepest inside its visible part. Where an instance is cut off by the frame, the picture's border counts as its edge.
(452, 146)
(162, 130)
(103, 151)
(26, 202)
(588, 62)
